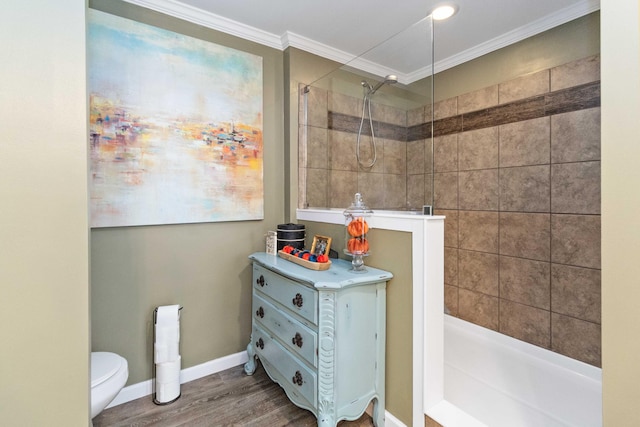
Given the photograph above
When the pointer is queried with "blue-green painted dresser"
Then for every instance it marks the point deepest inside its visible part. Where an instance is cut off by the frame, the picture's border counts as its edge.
(321, 336)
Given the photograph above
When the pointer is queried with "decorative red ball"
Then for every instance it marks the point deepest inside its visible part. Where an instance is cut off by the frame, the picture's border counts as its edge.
(287, 249)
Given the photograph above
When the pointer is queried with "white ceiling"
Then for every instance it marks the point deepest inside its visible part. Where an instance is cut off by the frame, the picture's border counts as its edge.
(343, 29)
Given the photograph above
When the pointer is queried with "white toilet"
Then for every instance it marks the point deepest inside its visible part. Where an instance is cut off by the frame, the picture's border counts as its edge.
(109, 373)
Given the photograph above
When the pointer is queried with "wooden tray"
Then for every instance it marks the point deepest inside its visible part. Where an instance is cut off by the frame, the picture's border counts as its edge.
(303, 262)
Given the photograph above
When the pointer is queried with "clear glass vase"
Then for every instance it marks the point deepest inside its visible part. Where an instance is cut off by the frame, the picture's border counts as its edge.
(356, 229)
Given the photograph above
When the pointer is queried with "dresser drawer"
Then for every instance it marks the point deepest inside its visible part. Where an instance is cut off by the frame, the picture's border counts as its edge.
(290, 331)
(296, 376)
(294, 296)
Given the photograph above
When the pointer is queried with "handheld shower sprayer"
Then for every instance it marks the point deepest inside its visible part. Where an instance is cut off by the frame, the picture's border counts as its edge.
(389, 79)
(366, 107)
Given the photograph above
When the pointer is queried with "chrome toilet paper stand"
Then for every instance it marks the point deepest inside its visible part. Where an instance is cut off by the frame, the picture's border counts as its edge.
(155, 321)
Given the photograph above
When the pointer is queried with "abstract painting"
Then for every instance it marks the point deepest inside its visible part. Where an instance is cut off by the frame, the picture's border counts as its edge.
(175, 132)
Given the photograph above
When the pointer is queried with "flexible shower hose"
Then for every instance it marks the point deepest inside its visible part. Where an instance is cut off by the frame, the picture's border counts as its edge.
(366, 105)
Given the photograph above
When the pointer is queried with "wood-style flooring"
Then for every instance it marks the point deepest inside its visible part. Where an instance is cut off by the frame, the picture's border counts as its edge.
(228, 398)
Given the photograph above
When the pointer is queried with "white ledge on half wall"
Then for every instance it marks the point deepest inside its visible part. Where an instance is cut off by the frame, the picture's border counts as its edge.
(427, 259)
(386, 219)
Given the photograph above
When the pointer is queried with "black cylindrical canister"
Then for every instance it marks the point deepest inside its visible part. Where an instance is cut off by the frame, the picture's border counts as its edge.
(291, 234)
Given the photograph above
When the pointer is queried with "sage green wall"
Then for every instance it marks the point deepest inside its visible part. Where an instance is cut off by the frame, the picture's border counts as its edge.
(577, 39)
(44, 236)
(391, 251)
(203, 267)
(620, 207)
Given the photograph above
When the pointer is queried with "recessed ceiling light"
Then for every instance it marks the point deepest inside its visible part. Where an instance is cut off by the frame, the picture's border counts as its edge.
(443, 12)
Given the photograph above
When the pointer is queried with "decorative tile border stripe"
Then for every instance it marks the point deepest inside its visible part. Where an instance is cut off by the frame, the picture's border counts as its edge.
(560, 101)
(516, 111)
(346, 123)
(572, 99)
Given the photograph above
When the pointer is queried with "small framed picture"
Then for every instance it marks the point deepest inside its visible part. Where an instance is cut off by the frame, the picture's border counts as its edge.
(321, 245)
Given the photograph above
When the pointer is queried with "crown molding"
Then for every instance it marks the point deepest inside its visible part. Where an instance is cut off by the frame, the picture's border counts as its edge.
(348, 60)
(536, 27)
(288, 39)
(210, 20)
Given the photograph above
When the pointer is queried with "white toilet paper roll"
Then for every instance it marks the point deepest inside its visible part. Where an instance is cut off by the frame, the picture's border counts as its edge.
(160, 352)
(167, 334)
(168, 372)
(167, 315)
(166, 351)
(168, 380)
(167, 392)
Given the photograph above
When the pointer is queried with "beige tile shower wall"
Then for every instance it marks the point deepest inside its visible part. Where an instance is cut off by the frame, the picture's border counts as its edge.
(522, 200)
(332, 173)
(419, 163)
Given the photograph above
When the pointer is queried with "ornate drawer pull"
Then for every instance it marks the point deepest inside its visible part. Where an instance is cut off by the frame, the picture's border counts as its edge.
(260, 312)
(297, 340)
(297, 379)
(260, 281)
(260, 344)
(297, 301)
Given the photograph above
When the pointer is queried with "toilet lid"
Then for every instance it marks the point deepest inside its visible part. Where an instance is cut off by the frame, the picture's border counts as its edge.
(103, 366)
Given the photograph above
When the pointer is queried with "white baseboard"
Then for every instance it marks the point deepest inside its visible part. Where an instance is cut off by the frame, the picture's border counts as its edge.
(391, 421)
(145, 388)
(213, 366)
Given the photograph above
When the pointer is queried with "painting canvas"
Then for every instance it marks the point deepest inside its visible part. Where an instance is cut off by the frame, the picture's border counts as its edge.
(175, 131)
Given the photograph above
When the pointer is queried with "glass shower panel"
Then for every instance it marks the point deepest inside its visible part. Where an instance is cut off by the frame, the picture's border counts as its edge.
(366, 127)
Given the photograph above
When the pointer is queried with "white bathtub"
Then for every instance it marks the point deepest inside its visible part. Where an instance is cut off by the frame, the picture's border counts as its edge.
(500, 381)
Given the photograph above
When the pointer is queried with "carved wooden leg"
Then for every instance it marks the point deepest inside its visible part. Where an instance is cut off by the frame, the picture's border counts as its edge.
(327, 412)
(378, 412)
(250, 366)
(326, 420)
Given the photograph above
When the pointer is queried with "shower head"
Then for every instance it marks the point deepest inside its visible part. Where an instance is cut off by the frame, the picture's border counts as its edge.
(389, 79)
